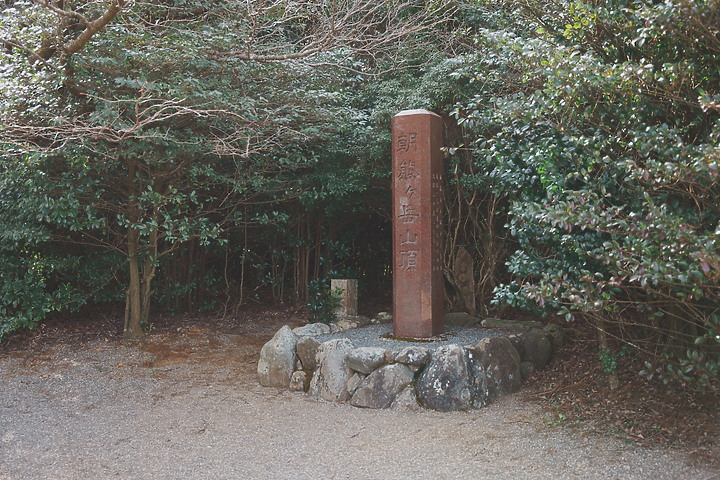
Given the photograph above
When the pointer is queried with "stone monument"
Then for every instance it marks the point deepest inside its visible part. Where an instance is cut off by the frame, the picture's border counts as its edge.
(348, 298)
(417, 191)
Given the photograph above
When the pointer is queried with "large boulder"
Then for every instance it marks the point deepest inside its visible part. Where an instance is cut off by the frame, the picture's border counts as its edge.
(406, 400)
(382, 386)
(307, 348)
(452, 381)
(526, 369)
(500, 361)
(365, 359)
(312, 329)
(277, 359)
(415, 356)
(537, 349)
(517, 343)
(556, 334)
(330, 379)
(511, 325)
(354, 382)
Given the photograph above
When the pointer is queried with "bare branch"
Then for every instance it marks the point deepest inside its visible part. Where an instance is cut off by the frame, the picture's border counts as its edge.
(143, 118)
(93, 27)
(34, 56)
(367, 27)
(63, 13)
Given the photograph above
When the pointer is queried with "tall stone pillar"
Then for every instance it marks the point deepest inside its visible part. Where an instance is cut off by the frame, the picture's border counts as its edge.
(418, 181)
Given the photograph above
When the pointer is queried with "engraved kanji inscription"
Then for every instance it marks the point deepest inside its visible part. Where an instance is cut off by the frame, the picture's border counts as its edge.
(406, 171)
(418, 211)
(408, 214)
(407, 142)
(408, 260)
(409, 238)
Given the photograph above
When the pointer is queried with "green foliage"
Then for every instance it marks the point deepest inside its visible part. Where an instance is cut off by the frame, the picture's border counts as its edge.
(586, 141)
(154, 135)
(609, 359)
(604, 138)
(36, 276)
(323, 301)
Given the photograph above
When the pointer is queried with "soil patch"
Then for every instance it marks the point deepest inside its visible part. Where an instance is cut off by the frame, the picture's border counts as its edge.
(575, 391)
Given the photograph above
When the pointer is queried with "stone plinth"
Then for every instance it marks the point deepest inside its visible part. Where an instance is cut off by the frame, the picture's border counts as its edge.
(348, 298)
(466, 368)
(418, 181)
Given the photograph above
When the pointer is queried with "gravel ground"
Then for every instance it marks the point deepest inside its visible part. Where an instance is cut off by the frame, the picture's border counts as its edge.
(381, 336)
(187, 406)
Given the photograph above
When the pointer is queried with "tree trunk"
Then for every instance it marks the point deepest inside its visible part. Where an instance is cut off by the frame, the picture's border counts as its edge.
(133, 304)
(302, 266)
(613, 380)
(149, 269)
(133, 314)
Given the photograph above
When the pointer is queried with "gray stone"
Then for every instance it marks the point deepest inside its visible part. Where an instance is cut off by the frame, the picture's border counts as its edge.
(381, 387)
(277, 359)
(461, 319)
(406, 400)
(330, 379)
(307, 348)
(556, 334)
(518, 344)
(365, 359)
(537, 348)
(390, 356)
(415, 356)
(343, 325)
(361, 320)
(501, 363)
(354, 382)
(298, 381)
(312, 329)
(382, 317)
(513, 325)
(526, 369)
(452, 381)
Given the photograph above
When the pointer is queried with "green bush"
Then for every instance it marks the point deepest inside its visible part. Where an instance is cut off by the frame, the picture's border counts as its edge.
(323, 301)
(604, 139)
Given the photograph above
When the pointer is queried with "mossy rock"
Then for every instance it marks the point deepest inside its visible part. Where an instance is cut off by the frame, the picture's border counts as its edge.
(512, 325)
(556, 334)
(461, 319)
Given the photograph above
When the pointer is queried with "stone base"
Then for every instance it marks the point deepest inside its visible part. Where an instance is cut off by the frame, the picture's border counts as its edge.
(442, 376)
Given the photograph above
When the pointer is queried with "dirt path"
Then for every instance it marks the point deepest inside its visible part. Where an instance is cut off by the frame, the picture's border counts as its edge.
(185, 405)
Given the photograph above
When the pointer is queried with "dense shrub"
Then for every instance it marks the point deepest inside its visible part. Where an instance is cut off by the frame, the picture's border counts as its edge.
(606, 145)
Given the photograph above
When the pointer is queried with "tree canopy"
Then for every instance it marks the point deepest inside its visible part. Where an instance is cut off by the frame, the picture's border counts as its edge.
(197, 154)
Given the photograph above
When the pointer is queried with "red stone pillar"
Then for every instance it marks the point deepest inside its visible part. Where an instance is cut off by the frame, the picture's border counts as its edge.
(418, 180)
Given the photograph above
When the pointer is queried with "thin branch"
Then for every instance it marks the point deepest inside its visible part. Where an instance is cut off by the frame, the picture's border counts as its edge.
(63, 13)
(93, 27)
(34, 56)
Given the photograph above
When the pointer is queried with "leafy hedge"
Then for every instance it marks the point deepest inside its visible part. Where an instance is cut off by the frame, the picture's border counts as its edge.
(606, 144)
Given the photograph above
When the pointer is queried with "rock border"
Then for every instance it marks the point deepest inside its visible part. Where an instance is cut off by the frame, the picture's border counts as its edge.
(445, 378)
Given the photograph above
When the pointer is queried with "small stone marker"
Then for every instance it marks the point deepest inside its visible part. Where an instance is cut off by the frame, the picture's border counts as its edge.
(418, 181)
(348, 298)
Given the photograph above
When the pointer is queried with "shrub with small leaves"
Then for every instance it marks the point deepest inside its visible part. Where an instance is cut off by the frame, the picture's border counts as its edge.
(323, 301)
